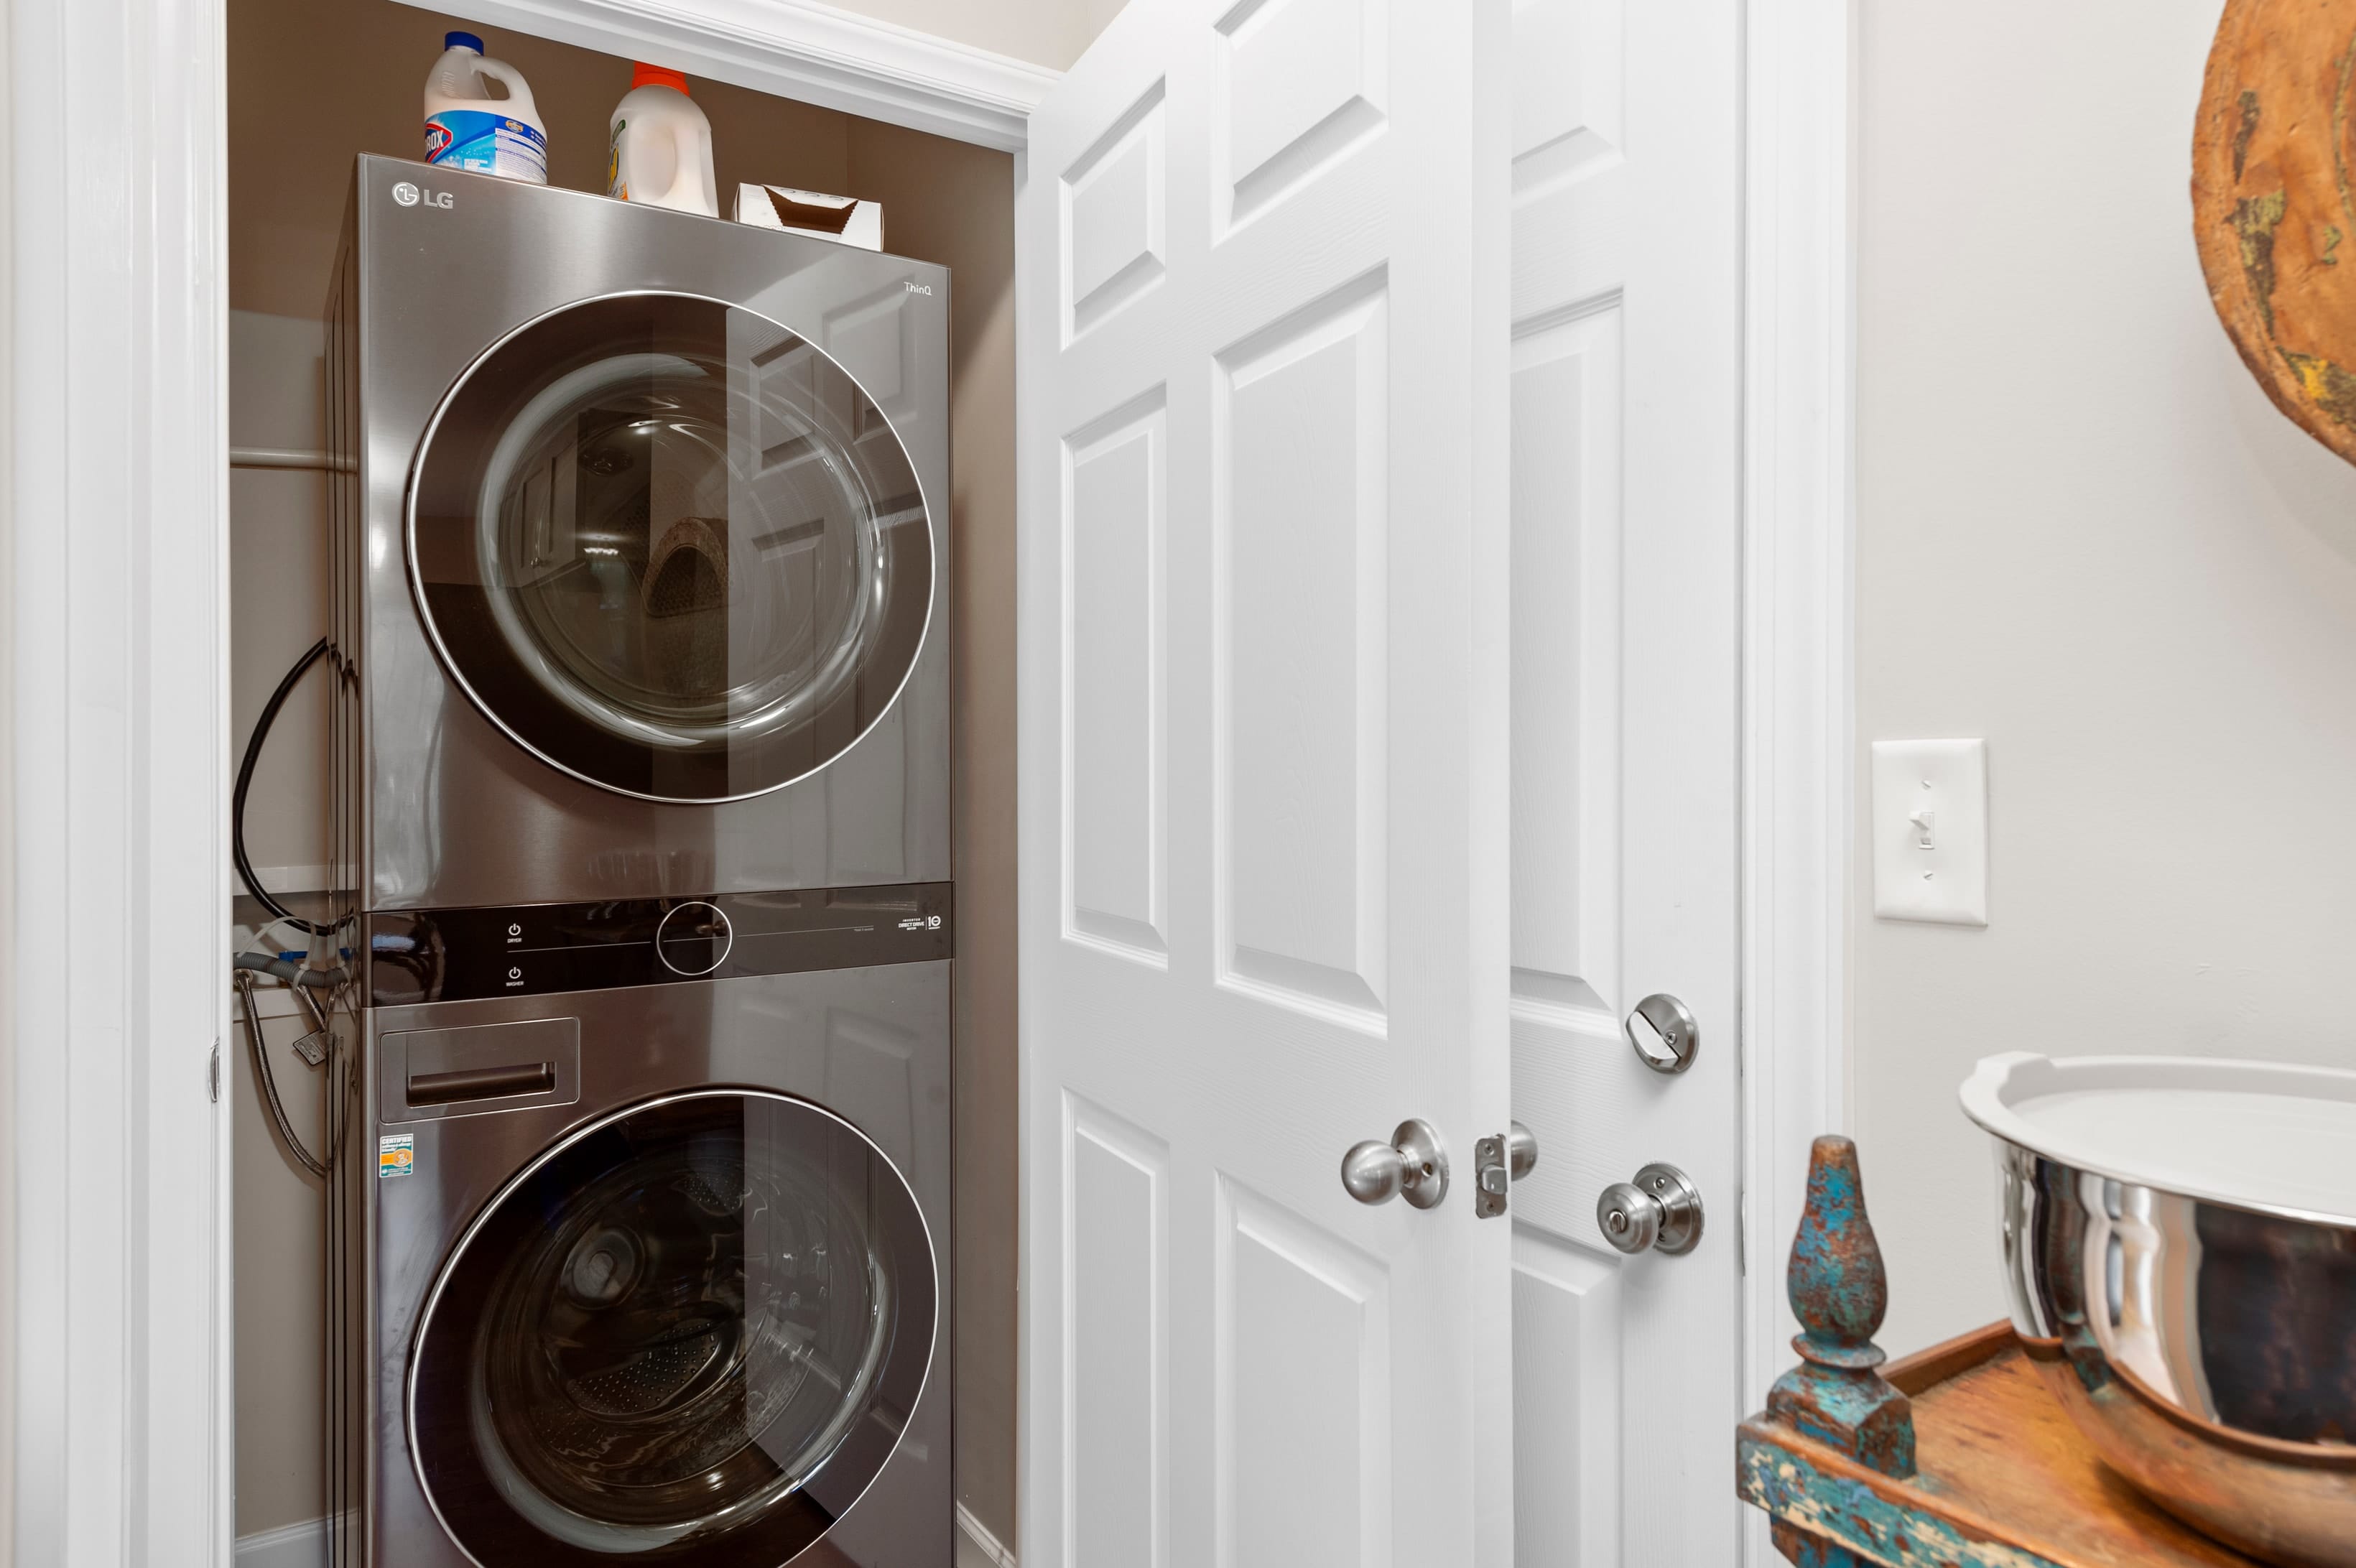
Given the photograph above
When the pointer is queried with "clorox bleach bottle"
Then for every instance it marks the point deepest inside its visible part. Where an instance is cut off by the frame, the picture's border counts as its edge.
(466, 128)
(661, 147)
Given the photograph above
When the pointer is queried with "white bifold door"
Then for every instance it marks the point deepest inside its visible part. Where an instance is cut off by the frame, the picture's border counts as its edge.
(1330, 585)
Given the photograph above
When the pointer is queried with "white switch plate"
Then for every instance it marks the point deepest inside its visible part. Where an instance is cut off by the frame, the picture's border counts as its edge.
(1934, 789)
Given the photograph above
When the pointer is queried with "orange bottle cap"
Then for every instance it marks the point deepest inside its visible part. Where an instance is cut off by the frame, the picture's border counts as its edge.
(647, 75)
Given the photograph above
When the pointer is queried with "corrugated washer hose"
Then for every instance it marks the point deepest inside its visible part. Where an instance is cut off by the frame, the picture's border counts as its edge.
(243, 975)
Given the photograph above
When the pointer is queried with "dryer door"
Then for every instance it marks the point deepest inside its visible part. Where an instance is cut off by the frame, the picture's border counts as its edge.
(670, 547)
(689, 1334)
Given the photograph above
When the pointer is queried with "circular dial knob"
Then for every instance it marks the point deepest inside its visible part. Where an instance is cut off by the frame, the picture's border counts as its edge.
(695, 939)
(1659, 1211)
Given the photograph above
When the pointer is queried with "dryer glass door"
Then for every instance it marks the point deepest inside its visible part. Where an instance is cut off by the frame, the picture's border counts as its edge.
(690, 1334)
(670, 547)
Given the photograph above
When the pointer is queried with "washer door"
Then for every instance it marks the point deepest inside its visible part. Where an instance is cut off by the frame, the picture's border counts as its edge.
(689, 1334)
(670, 547)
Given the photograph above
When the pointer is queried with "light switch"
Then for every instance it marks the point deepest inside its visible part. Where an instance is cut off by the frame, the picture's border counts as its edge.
(1930, 831)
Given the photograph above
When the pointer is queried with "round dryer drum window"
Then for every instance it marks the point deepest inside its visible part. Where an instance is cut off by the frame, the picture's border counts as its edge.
(670, 547)
(690, 1334)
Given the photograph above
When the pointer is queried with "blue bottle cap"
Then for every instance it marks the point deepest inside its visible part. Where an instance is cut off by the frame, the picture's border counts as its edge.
(452, 40)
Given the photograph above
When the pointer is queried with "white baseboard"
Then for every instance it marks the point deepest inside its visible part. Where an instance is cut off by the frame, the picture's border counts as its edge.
(305, 1546)
(302, 1544)
(984, 1549)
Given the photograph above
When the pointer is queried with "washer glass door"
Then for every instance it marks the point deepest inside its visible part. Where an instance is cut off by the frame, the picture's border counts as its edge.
(689, 1334)
(670, 547)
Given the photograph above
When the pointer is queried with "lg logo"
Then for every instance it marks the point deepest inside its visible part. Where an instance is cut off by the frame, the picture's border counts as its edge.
(409, 195)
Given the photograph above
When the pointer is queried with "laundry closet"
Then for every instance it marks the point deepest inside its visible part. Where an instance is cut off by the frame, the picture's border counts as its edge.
(666, 719)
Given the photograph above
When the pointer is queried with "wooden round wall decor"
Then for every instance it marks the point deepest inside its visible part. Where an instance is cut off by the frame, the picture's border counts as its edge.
(2273, 168)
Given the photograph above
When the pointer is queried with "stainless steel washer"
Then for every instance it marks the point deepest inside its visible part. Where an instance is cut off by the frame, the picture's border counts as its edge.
(655, 1271)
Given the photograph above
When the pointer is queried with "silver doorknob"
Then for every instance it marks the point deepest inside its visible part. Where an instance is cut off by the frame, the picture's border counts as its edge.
(1412, 1164)
(1521, 1150)
(1660, 1211)
(1663, 1030)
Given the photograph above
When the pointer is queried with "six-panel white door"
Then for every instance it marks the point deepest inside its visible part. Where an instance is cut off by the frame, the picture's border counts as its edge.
(1265, 786)
(1626, 383)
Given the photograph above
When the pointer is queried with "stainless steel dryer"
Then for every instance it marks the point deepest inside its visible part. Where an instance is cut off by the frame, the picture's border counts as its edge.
(648, 1243)
(643, 547)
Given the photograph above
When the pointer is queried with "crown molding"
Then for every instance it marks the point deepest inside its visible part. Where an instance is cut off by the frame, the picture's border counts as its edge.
(802, 50)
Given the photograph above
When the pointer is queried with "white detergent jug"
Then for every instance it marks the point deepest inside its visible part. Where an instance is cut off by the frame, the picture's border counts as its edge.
(466, 128)
(661, 152)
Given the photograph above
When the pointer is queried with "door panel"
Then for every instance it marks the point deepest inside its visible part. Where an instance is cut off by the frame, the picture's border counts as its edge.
(1625, 539)
(1115, 1210)
(1296, 84)
(1567, 1349)
(1114, 541)
(1567, 674)
(1299, 533)
(1114, 219)
(1263, 331)
(1304, 1389)
(1570, 92)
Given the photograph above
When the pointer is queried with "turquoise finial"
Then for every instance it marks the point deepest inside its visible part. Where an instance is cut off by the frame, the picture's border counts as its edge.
(1840, 1292)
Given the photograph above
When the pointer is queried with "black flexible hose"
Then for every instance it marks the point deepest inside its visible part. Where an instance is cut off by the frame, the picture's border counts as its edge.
(245, 779)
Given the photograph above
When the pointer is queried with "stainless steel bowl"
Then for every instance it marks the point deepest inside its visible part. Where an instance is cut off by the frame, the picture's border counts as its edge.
(2193, 1308)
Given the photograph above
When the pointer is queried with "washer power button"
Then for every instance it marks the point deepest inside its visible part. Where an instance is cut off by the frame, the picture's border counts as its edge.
(695, 939)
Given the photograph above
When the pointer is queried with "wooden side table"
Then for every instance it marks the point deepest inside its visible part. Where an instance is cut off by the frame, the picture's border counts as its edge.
(1954, 1458)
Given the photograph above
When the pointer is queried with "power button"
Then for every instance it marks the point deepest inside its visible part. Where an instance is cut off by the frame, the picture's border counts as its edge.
(695, 939)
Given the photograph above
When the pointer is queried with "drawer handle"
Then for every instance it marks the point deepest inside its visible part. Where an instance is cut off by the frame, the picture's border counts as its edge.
(481, 1083)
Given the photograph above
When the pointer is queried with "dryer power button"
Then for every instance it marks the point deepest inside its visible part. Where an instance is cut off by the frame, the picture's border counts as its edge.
(695, 939)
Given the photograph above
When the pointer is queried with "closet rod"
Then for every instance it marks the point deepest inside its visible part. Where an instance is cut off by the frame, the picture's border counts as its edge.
(286, 457)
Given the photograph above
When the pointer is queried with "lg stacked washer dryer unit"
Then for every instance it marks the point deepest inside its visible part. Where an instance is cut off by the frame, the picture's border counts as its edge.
(643, 755)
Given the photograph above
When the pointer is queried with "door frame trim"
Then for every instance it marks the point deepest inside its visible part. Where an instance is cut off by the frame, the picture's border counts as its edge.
(802, 50)
(1798, 677)
(116, 728)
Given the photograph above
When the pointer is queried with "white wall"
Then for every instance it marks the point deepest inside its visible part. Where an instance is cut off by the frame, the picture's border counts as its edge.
(278, 580)
(278, 575)
(2084, 533)
(1045, 32)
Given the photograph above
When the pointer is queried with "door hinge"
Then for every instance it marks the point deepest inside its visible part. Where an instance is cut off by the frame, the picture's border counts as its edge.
(212, 1073)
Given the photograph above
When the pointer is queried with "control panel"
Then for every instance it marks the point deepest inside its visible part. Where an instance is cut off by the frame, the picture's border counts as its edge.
(450, 955)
